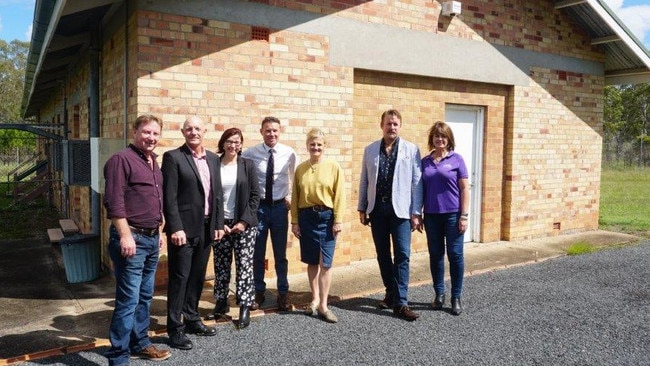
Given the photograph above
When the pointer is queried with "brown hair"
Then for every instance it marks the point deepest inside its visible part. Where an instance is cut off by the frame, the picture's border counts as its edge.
(146, 118)
(391, 112)
(442, 129)
(270, 119)
(226, 135)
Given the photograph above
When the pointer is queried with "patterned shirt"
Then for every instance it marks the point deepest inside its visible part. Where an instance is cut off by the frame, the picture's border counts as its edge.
(386, 170)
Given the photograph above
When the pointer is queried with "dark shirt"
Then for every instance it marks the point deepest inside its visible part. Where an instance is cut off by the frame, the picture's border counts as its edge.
(133, 190)
(386, 170)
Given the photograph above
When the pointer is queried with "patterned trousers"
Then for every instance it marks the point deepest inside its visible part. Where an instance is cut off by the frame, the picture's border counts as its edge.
(243, 245)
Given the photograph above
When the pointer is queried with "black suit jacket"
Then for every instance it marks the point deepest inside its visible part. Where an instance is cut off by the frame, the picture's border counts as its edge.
(183, 195)
(248, 192)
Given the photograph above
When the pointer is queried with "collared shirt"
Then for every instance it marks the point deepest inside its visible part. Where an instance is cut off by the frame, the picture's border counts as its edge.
(133, 188)
(386, 170)
(284, 166)
(440, 183)
(204, 171)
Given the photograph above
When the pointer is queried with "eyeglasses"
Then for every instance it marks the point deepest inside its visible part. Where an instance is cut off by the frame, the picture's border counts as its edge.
(232, 143)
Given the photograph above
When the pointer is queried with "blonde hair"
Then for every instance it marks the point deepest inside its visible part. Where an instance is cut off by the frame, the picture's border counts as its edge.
(315, 133)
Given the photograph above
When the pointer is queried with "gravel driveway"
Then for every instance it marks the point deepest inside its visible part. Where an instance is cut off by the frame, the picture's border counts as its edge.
(591, 309)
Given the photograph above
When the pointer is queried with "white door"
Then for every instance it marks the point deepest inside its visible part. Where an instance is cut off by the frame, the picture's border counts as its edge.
(466, 123)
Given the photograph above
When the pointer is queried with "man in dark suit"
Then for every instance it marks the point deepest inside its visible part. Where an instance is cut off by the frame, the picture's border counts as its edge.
(193, 208)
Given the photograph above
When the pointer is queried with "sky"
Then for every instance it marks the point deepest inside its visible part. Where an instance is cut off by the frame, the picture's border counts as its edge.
(16, 17)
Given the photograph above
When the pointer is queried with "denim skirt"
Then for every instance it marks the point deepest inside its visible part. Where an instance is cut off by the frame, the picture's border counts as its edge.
(316, 236)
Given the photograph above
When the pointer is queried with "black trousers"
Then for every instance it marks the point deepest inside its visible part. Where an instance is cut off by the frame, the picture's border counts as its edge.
(187, 265)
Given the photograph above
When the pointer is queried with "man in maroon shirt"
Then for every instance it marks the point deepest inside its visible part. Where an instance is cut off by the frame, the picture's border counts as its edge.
(133, 201)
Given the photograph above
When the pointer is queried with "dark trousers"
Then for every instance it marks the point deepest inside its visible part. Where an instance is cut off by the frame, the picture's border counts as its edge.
(187, 265)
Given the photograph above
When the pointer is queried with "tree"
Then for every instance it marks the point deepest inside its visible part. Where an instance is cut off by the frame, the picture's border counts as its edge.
(13, 62)
(626, 124)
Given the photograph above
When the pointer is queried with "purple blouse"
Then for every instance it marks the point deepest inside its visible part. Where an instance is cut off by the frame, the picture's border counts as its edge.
(133, 190)
(440, 181)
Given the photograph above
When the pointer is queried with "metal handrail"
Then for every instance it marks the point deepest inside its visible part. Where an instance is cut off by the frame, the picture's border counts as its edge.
(20, 166)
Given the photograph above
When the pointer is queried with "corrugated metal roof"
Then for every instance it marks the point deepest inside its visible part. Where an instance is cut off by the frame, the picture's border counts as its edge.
(626, 58)
(62, 33)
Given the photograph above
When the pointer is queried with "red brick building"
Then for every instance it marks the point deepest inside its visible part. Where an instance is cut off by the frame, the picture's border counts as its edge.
(520, 81)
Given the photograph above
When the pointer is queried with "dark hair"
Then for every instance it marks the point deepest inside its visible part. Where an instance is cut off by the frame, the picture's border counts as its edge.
(442, 129)
(226, 135)
(146, 118)
(391, 112)
(270, 119)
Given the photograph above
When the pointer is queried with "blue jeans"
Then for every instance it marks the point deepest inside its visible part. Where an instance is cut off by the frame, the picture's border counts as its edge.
(273, 218)
(134, 285)
(442, 229)
(384, 225)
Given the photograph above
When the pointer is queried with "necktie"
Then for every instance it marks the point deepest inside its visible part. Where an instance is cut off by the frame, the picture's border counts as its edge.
(269, 178)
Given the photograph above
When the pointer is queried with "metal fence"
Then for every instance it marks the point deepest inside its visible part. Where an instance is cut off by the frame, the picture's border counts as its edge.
(13, 159)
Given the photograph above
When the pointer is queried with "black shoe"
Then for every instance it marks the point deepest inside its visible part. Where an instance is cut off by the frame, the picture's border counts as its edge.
(200, 329)
(283, 303)
(456, 306)
(387, 302)
(438, 301)
(244, 317)
(259, 300)
(179, 340)
(221, 308)
(404, 312)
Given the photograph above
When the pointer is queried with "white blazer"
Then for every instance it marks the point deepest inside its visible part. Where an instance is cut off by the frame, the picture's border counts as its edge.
(407, 181)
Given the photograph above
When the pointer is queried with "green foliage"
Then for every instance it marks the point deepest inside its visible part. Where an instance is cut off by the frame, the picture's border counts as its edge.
(16, 138)
(13, 61)
(624, 193)
(626, 123)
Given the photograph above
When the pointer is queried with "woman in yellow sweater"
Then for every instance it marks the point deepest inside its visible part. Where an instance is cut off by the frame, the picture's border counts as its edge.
(317, 206)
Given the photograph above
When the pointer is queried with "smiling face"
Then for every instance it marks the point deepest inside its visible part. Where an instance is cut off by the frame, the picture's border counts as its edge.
(232, 146)
(271, 133)
(146, 136)
(193, 132)
(315, 146)
(440, 142)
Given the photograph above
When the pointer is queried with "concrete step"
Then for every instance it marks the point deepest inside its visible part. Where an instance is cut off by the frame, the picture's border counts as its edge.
(68, 226)
(55, 235)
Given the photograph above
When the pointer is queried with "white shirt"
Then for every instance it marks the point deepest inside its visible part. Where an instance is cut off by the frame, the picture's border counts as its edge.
(229, 186)
(284, 166)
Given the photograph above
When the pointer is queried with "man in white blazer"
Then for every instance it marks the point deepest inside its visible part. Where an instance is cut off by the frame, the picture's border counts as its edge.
(390, 200)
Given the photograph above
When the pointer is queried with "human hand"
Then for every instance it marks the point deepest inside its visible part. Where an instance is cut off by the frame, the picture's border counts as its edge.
(239, 227)
(218, 234)
(295, 229)
(127, 246)
(179, 238)
(336, 229)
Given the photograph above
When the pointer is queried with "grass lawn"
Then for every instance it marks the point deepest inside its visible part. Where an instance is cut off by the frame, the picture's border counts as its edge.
(625, 200)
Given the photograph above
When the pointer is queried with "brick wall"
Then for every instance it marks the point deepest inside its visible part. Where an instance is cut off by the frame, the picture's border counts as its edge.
(554, 153)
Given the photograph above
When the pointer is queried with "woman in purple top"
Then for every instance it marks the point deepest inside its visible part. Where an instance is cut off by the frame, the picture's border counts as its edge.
(446, 201)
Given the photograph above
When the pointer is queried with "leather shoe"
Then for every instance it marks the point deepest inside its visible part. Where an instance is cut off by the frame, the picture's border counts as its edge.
(404, 312)
(179, 340)
(221, 308)
(387, 302)
(152, 353)
(259, 300)
(200, 329)
(244, 317)
(283, 303)
(438, 301)
(456, 306)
